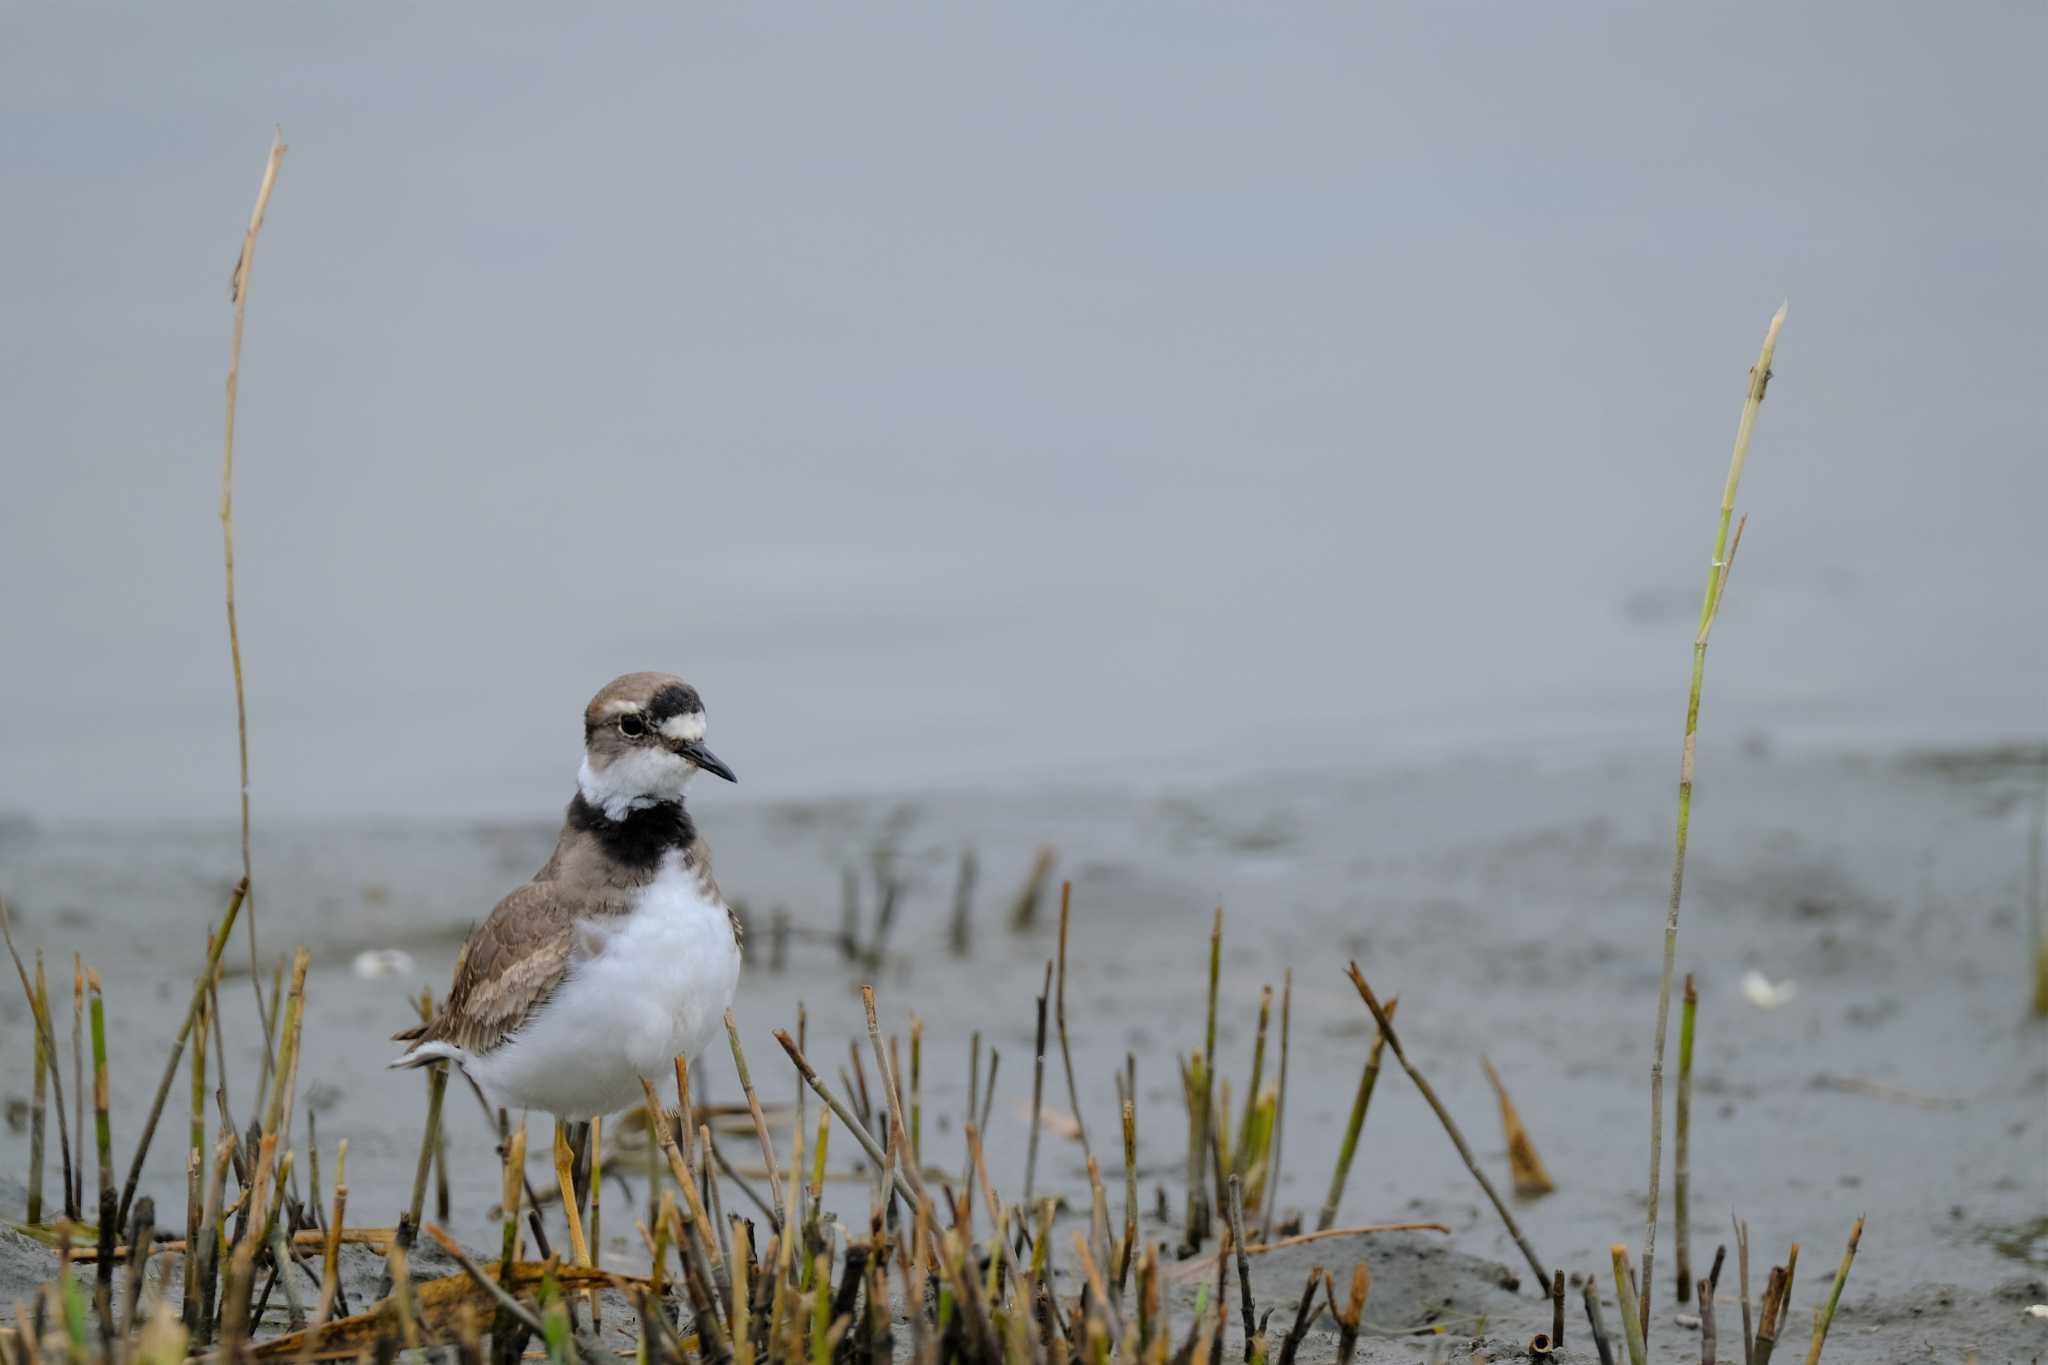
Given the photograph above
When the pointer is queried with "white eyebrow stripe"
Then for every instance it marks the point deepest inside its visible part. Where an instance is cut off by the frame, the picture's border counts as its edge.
(620, 707)
(685, 727)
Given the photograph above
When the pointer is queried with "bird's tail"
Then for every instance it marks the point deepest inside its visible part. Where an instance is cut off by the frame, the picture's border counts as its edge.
(423, 1054)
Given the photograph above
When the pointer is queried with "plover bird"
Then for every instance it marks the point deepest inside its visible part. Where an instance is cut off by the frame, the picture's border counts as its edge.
(620, 955)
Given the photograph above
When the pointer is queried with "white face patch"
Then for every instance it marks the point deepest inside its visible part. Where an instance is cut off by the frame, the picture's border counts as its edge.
(687, 727)
(641, 777)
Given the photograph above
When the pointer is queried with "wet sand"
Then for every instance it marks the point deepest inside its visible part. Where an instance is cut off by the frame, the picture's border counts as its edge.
(1516, 910)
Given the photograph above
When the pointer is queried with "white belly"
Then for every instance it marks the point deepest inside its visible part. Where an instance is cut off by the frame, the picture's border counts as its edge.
(657, 986)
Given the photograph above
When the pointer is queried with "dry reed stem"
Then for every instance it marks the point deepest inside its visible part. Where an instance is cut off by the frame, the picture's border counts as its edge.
(596, 1141)
(1708, 1340)
(892, 1091)
(198, 1320)
(1525, 1168)
(1234, 1206)
(996, 1211)
(1098, 1288)
(330, 1252)
(754, 1196)
(505, 1302)
(235, 1318)
(916, 1091)
(1625, 1299)
(1595, 1323)
(1742, 1284)
(1717, 579)
(1681, 1164)
(1306, 1310)
(698, 1244)
(1557, 1310)
(839, 1111)
(1037, 1090)
(686, 1128)
(1386, 1023)
(1767, 1320)
(195, 1154)
(761, 1135)
(1777, 1306)
(217, 941)
(284, 1262)
(1352, 1316)
(1060, 1020)
(39, 1008)
(377, 1240)
(1024, 910)
(1130, 1117)
(38, 1003)
(239, 294)
(284, 1093)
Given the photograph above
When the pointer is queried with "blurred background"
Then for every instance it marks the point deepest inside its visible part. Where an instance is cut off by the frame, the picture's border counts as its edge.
(1264, 456)
(995, 397)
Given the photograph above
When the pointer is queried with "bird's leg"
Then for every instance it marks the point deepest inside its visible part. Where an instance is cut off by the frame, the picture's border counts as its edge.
(565, 1176)
(579, 1147)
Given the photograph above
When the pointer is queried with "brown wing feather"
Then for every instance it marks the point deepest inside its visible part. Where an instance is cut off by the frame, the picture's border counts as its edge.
(513, 964)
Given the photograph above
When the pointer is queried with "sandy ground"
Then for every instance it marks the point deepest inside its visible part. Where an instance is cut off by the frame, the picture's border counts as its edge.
(1516, 910)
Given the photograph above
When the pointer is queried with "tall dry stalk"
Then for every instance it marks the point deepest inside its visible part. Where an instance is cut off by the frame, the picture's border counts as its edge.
(1717, 579)
(239, 293)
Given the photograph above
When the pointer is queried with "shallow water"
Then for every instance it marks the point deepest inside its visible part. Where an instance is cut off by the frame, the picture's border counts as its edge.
(1516, 911)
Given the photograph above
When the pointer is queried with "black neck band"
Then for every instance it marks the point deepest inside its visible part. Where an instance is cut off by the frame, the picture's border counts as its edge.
(642, 837)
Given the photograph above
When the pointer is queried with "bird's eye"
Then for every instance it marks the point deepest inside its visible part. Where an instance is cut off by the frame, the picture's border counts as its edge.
(632, 727)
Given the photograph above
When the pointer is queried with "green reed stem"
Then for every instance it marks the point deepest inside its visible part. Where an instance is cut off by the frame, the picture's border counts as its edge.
(1360, 1103)
(1251, 1092)
(1710, 606)
(1272, 1190)
(1202, 1074)
(1826, 1317)
(102, 1125)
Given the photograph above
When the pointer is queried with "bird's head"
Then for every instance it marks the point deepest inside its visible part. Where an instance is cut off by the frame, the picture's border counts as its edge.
(643, 740)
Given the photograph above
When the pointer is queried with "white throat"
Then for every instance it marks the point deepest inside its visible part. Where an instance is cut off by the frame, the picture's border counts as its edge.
(634, 781)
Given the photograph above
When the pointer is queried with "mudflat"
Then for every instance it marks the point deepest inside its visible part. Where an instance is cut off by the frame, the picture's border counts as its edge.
(1884, 1066)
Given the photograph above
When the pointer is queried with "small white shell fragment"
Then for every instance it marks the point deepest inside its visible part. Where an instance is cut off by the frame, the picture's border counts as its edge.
(2038, 1310)
(1759, 991)
(1687, 1321)
(376, 962)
